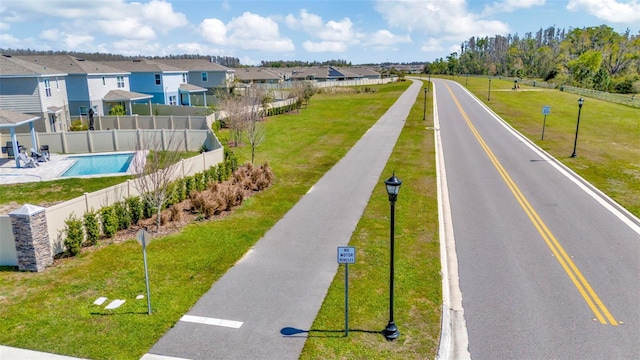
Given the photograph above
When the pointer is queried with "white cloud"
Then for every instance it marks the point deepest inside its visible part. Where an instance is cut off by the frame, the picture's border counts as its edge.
(8, 40)
(307, 22)
(431, 45)
(510, 5)
(449, 19)
(77, 41)
(137, 47)
(248, 32)
(324, 46)
(213, 31)
(385, 37)
(50, 34)
(127, 28)
(127, 20)
(620, 12)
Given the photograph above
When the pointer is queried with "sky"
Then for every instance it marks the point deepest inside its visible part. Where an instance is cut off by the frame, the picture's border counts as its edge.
(358, 31)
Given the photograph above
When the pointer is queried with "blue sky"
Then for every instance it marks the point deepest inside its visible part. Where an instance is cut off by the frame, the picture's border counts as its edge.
(359, 31)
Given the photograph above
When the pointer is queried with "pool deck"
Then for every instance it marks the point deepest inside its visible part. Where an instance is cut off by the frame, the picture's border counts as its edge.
(50, 170)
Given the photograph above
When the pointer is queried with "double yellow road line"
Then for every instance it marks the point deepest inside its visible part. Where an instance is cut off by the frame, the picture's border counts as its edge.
(599, 309)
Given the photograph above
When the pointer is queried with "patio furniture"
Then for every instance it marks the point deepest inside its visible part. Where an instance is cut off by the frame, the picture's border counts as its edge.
(39, 157)
(44, 150)
(28, 162)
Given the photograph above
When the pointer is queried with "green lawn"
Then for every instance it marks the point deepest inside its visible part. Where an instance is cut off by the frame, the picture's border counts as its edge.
(52, 311)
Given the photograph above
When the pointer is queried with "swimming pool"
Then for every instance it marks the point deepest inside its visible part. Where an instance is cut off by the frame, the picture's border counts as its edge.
(117, 164)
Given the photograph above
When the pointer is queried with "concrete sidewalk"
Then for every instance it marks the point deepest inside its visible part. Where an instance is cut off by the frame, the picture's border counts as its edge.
(281, 283)
(11, 353)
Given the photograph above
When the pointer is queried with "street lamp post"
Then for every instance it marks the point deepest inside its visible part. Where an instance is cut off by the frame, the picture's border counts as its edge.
(393, 187)
(575, 142)
(489, 96)
(424, 111)
(429, 83)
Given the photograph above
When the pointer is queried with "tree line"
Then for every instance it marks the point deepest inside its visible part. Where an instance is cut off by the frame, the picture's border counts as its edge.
(298, 63)
(596, 58)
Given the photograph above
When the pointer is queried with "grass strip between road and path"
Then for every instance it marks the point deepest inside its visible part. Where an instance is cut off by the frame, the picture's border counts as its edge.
(53, 311)
(418, 286)
(608, 146)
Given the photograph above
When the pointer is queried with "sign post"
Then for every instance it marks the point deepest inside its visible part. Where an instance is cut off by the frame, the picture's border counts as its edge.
(144, 238)
(546, 110)
(346, 256)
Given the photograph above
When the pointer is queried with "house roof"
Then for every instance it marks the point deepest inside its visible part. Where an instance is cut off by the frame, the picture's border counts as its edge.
(256, 73)
(190, 88)
(123, 95)
(193, 64)
(143, 65)
(71, 64)
(14, 67)
(358, 71)
(10, 118)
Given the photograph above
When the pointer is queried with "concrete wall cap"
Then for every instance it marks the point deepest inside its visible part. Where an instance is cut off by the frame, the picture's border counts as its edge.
(27, 210)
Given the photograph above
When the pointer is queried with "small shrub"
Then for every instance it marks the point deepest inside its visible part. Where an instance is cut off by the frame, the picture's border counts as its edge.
(123, 215)
(92, 227)
(135, 209)
(78, 125)
(190, 186)
(109, 221)
(176, 213)
(148, 209)
(75, 235)
(199, 181)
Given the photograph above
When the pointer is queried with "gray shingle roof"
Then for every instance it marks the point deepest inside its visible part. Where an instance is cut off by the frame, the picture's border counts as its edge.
(14, 67)
(193, 64)
(142, 65)
(71, 64)
(123, 95)
(255, 73)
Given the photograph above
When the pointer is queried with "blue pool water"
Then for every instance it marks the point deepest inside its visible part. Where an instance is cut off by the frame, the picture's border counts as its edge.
(99, 164)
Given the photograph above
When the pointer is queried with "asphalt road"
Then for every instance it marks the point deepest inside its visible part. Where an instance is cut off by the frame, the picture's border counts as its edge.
(549, 267)
(263, 307)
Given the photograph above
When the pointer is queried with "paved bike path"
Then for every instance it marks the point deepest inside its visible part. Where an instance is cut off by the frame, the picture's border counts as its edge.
(281, 283)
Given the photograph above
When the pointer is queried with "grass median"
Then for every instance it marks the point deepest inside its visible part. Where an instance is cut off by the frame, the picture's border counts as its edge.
(53, 311)
(417, 294)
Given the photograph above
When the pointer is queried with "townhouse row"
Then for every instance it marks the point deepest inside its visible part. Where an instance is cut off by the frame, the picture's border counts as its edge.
(56, 88)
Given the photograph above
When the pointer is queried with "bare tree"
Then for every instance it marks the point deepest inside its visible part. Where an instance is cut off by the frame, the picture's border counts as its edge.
(255, 128)
(156, 166)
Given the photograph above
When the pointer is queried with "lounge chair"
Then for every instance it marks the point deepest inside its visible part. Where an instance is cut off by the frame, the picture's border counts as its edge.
(28, 162)
(44, 150)
(38, 156)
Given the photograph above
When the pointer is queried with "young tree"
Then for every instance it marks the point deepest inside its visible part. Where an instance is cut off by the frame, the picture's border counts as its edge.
(156, 170)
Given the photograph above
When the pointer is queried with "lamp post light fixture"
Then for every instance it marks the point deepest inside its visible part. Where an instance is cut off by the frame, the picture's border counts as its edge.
(393, 187)
(424, 111)
(575, 142)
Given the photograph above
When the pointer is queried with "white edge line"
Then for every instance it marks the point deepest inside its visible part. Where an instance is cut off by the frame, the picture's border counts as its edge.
(454, 339)
(212, 321)
(618, 211)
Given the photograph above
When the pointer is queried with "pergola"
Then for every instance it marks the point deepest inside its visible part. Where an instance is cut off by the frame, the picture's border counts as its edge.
(191, 89)
(11, 120)
(117, 96)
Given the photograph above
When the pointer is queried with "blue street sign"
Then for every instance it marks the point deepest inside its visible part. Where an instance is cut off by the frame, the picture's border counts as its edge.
(546, 110)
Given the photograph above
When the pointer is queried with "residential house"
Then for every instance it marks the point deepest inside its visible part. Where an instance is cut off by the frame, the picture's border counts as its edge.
(35, 89)
(88, 82)
(257, 75)
(330, 73)
(203, 73)
(155, 78)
